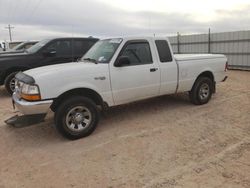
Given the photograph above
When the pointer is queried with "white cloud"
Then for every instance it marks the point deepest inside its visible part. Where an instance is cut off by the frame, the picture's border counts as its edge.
(38, 19)
(201, 10)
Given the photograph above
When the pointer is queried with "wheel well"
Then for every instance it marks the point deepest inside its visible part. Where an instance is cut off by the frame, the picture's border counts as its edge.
(207, 74)
(14, 69)
(97, 99)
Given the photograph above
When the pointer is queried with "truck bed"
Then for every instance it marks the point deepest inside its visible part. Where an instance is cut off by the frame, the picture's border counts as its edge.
(185, 57)
(191, 65)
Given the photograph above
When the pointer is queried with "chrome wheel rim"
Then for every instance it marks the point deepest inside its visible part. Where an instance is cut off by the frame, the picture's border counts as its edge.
(78, 118)
(204, 91)
(12, 84)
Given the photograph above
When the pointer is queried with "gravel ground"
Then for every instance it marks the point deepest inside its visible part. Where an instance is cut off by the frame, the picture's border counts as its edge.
(160, 142)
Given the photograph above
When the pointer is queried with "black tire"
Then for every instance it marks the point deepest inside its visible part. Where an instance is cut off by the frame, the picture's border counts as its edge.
(199, 94)
(62, 115)
(9, 81)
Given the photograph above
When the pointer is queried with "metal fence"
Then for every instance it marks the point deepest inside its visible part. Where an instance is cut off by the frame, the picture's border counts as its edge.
(235, 45)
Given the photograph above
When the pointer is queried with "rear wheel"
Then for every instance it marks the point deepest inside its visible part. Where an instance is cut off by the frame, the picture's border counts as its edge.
(76, 117)
(9, 82)
(202, 91)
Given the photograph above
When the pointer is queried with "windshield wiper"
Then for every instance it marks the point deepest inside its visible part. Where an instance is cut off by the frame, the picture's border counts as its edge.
(91, 60)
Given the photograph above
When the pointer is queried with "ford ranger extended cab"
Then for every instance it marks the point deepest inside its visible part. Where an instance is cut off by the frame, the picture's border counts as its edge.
(114, 72)
(45, 52)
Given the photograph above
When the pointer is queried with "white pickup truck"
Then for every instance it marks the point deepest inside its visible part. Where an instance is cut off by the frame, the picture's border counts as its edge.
(114, 72)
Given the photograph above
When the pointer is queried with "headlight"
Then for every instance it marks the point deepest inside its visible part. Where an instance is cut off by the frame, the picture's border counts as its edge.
(30, 89)
(30, 92)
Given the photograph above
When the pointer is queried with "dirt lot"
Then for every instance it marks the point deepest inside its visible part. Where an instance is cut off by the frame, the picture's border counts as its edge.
(161, 142)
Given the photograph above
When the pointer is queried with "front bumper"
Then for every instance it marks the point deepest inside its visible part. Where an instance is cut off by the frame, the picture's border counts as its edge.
(28, 108)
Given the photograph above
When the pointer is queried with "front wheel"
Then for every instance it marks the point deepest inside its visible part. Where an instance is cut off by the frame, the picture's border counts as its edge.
(76, 117)
(202, 91)
(9, 82)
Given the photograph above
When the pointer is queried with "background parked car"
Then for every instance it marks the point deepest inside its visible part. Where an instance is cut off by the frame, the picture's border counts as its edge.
(1, 48)
(20, 47)
(45, 52)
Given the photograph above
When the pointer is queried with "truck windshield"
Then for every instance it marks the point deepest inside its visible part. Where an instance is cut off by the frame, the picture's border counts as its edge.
(37, 46)
(102, 51)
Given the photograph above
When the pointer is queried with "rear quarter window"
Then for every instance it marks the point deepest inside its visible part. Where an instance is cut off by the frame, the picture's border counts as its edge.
(163, 51)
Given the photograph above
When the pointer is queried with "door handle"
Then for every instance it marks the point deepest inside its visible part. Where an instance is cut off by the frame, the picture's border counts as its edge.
(153, 69)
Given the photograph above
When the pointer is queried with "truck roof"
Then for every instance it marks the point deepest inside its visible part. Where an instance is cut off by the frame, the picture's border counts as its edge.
(85, 38)
(140, 37)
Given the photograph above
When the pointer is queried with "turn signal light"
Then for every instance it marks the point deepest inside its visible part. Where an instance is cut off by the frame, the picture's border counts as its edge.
(27, 97)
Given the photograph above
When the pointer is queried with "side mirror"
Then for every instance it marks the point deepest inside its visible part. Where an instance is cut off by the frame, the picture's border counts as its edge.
(121, 61)
(49, 53)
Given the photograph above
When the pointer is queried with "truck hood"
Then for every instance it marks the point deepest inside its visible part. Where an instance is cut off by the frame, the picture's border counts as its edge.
(63, 70)
(54, 80)
(9, 61)
(11, 57)
(11, 54)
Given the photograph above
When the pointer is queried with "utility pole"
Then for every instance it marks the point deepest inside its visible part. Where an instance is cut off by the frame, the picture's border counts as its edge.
(209, 41)
(178, 42)
(9, 28)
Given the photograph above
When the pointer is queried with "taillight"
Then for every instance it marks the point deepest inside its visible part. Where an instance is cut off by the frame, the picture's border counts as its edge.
(226, 66)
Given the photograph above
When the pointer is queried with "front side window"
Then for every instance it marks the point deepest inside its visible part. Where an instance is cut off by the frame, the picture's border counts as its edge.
(62, 47)
(28, 46)
(19, 46)
(138, 53)
(38, 46)
(102, 51)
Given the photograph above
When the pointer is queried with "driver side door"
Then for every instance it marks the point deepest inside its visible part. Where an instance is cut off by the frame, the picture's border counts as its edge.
(139, 79)
(56, 52)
